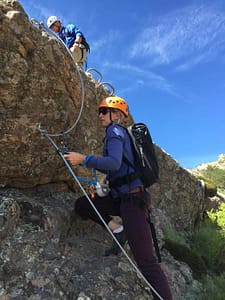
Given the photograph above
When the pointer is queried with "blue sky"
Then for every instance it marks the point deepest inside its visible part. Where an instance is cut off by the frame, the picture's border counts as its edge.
(166, 58)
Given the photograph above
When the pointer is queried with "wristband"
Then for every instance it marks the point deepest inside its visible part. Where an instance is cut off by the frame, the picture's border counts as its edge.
(87, 158)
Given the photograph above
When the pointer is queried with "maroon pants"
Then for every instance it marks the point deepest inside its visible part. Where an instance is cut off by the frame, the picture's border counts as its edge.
(137, 230)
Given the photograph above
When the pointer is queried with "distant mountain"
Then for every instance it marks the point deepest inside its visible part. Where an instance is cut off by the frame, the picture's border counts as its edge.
(220, 163)
(214, 171)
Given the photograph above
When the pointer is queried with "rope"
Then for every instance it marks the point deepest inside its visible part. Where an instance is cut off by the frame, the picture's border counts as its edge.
(53, 34)
(91, 182)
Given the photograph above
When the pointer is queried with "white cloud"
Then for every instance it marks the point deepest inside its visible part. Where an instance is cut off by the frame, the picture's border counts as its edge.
(39, 12)
(143, 77)
(106, 41)
(186, 37)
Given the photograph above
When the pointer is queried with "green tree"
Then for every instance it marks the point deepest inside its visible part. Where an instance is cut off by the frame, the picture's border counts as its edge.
(217, 175)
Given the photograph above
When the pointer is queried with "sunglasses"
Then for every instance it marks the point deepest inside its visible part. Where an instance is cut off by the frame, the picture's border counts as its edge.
(105, 110)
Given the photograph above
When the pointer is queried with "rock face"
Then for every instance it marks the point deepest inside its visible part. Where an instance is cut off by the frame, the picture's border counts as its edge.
(48, 252)
(179, 194)
(40, 85)
(59, 256)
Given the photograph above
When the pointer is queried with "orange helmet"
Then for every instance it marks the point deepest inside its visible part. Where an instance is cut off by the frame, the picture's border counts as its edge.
(116, 103)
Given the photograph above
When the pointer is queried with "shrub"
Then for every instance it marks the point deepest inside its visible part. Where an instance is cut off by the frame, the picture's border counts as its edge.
(219, 216)
(216, 175)
(177, 246)
(183, 253)
(209, 242)
(213, 288)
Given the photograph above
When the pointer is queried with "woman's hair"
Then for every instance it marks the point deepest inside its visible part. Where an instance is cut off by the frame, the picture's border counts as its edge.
(122, 118)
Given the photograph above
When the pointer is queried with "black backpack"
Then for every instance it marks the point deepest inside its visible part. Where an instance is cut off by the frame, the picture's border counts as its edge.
(145, 164)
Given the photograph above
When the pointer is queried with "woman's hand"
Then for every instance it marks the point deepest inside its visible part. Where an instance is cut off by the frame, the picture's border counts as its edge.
(75, 158)
(75, 47)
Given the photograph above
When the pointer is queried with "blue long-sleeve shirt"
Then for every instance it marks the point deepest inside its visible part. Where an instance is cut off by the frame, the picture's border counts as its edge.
(69, 33)
(117, 145)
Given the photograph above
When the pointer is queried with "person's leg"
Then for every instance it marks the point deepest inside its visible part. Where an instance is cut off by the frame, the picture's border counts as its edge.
(79, 54)
(104, 205)
(139, 238)
(84, 54)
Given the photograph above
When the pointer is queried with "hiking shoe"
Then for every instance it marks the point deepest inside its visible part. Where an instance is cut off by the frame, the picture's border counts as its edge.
(115, 249)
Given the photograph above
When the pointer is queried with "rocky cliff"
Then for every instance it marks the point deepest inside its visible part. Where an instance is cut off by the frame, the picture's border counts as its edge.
(59, 256)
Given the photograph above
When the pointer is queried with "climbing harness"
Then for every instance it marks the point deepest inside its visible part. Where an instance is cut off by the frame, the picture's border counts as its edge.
(93, 183)
(100, 189)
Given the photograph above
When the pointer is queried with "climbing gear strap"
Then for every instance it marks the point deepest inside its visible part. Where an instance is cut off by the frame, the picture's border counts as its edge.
(126, 179)
(154, 237)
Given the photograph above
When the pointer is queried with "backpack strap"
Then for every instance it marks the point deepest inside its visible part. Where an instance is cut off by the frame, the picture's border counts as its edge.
(128, 178)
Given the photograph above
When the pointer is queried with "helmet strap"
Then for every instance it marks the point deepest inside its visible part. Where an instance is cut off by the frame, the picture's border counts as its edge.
(117, 121)
(110, 115)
